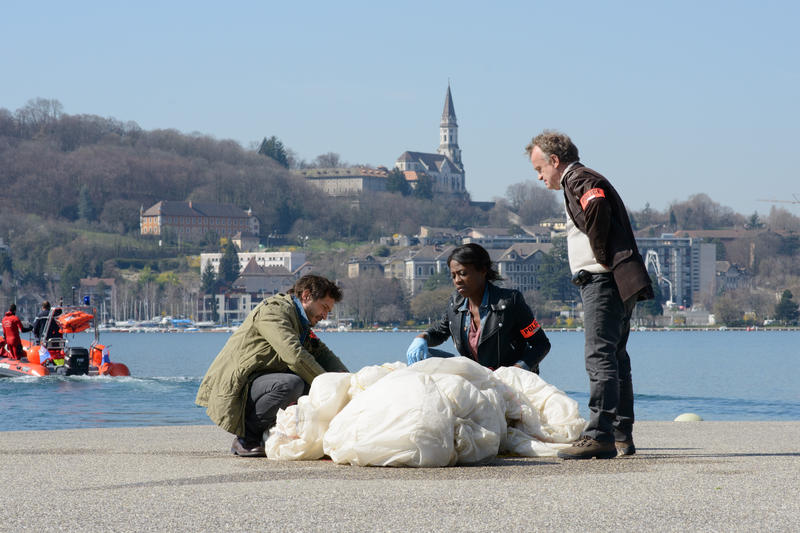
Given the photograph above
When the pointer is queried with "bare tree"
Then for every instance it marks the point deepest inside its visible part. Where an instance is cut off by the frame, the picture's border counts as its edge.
(329, 160)
(532, 202)
(780, 219)
(430, 305)
(38, 114)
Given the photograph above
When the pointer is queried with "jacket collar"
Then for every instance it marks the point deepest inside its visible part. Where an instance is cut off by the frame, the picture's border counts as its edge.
(575, 165)
(490, 298)
(484, 302)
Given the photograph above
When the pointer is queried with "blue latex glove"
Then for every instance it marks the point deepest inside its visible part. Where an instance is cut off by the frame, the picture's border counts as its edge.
(417, 351)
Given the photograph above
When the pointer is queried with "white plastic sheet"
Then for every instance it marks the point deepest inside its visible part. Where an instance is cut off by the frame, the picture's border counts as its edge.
(437, 412)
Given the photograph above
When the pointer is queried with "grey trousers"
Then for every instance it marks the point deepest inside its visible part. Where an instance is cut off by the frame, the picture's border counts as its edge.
(268, 393)
(607, 322)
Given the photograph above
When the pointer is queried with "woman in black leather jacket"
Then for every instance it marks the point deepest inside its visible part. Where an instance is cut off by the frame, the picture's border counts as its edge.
(489, 324)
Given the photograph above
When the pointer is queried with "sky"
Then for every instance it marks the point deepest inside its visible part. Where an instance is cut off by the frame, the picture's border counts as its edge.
(666, 99)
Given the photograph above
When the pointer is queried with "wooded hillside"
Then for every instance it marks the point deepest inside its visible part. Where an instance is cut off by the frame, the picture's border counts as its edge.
(84, 167)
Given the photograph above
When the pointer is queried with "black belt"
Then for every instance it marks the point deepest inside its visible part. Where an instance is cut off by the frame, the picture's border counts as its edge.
(583, 277)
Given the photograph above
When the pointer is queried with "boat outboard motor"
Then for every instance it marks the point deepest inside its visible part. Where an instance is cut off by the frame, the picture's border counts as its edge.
(77, 361)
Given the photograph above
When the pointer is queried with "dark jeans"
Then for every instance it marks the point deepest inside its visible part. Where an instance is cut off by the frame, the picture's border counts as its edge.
(607, 322)
(268, 393)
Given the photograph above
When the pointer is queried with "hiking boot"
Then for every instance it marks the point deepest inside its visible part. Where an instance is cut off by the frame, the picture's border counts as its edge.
(243, 448)
(588, 448)
(625, 447)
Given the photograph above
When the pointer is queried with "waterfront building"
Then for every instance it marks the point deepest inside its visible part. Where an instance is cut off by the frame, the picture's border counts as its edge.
(291, 261)
(192, 221)
(424, 263)
(394, 266)
(731, 277)
(520, 265)
(687, 263)
(255, 283)
(359, 267)
(263, 281)
(444, 168)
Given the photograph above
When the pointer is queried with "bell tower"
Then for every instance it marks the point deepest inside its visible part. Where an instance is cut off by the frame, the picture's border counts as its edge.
(448, 131)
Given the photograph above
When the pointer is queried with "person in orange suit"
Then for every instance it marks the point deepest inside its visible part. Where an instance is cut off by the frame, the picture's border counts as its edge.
(12, 326)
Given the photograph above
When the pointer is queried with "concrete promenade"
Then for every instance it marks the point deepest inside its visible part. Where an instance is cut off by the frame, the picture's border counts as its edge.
(690, 476)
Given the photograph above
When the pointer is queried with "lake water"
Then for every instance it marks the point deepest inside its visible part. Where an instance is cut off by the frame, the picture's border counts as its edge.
(720, 375)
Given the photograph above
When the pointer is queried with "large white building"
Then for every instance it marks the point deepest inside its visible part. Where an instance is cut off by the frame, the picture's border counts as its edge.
(689, 264)
(444, 168)
(291, 261)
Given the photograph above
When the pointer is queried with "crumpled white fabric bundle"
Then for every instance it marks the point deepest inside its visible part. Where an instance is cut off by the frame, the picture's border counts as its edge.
(437, 412)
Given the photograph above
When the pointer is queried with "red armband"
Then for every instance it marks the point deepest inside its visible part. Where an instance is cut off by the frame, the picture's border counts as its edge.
(530, 329)
(590, 195)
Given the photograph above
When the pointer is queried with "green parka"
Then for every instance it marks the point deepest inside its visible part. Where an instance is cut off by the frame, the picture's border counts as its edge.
(267, 341)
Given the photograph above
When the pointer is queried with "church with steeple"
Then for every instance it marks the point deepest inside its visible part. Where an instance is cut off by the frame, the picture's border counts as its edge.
(444, 168)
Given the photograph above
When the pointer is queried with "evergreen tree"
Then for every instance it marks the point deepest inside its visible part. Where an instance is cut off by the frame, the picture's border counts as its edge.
(229, 264)
(396, 182)
(86, 209)
(754, 222)
(554, 276)
(209, 280)
(424, 188)
(70, 277)
(673, 220)
(786, 310)
(274, 148)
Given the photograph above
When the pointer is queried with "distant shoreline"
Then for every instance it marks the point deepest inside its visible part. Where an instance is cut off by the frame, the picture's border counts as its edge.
(231, 329)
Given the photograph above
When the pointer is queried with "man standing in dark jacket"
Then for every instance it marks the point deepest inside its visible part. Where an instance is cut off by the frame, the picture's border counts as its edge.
(40, 322)
(606, 265)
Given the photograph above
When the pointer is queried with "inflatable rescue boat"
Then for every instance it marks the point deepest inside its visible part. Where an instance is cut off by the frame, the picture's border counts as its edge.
(57, 355)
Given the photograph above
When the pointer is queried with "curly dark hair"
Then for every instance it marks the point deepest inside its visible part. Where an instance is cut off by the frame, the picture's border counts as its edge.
(475, 255)
(552, 142)
(319, 286)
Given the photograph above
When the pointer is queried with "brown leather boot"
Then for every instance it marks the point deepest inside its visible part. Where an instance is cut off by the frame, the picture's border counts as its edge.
(588, 448)
(625, 447)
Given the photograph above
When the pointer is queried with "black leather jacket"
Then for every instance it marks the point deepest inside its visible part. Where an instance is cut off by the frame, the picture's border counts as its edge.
(510, 333)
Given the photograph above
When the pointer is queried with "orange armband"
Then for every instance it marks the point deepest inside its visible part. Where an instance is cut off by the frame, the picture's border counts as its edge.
(530, 329)
(590, 195)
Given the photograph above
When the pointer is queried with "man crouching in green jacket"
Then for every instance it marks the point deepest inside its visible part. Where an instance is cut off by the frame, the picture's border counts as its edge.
(269, 362)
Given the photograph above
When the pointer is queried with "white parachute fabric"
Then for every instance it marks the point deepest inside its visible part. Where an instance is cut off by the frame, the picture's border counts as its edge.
(546, 412)
(299, 428)
(437, 412)
(542, 418)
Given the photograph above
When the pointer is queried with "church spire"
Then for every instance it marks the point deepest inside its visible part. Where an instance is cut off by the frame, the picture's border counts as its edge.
(449, 113)
(448, 131)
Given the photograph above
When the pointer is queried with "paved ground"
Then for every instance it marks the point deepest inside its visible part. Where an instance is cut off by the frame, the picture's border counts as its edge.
(697, 476)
